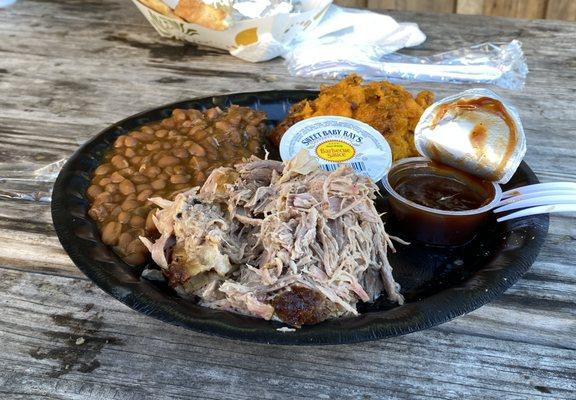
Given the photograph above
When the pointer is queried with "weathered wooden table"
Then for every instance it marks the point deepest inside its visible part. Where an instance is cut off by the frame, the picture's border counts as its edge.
(69, 68)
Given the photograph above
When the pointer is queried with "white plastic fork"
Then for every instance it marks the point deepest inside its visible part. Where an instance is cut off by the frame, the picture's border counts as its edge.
(535, 199)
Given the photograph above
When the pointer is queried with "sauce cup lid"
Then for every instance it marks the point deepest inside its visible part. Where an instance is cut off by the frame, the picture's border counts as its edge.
(475, 131)
(335, 141)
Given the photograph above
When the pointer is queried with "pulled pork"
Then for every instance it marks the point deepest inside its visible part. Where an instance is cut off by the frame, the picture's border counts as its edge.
(286, 241)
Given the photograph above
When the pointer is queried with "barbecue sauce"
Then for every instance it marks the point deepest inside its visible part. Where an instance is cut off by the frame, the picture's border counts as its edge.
(437, 204)
(479, 134)
(440, 192)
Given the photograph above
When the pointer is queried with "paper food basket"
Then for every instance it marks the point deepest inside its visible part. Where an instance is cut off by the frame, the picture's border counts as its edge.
(254, 40)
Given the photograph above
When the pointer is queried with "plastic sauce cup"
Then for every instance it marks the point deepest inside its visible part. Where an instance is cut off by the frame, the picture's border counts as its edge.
(431, 225)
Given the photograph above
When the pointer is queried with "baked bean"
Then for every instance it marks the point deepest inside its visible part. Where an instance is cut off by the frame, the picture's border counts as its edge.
(111, 232)
(163, 176)
(126, 187)
(212, 113)
(194, 114)
(151, 171)
(139, 178)
(158, 155)
(167, 161)
(169, 171)
(161, 133)
(129, 153)
(196, 150)
(154, 146)
(126, 172)
(104, 181)
(123, 217)
(103, 197)
(130, 141)
(179, 115)
(129, 204)
(116, 209)
(166, 146)
(150, 227)
(168, 123)
(142, 186)
(103, 169)
(116, 177)
(177, 179)
(180, 153)
(135, 160)
(145, 195)
(179, 170)
(158, 184)
(98, 213)
(172, 134)
(143, 136)
(119, 161)
(111, 188)
(93, 191)
(124, 240)
(147, 129)
(119, 142)
(137, 221)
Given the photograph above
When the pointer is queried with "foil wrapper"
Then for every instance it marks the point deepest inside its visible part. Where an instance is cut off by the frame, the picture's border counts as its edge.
(475, 131)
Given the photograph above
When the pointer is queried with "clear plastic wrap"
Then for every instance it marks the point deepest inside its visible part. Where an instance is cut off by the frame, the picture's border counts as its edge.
(31, 185)
(499, 64)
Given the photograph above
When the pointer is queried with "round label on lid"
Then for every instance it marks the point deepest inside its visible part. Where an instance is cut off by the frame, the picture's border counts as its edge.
(336, 141)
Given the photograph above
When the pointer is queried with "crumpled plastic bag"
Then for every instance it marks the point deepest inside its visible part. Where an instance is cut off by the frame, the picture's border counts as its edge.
(357, 33)
(352, 41)
(32, 185)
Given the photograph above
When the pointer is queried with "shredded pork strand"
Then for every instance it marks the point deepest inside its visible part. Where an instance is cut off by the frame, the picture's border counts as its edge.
(252, 234)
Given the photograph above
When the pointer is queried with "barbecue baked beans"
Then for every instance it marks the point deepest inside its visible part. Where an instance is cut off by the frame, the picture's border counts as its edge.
(162, 159)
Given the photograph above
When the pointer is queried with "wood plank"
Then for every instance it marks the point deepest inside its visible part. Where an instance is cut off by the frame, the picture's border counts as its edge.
(474, 7)
(352, 3)
(431, 6)
(561, 9)
(128, 356)
(528, 9)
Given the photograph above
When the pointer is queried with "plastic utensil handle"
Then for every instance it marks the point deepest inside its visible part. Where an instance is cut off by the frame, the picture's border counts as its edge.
(538, 201)
(539, 210)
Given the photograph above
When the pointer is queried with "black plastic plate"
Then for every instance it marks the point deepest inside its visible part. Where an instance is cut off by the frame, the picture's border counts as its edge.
(439, 284)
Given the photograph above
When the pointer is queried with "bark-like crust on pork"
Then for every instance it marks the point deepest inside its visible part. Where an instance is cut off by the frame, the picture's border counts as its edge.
(258, 231)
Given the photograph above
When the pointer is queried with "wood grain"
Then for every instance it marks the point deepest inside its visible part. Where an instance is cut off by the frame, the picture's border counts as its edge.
(561, 9)
(70, 68)
(475, 7)
(129, 356)
(352, 3)
(444, 6)
(527, 9)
